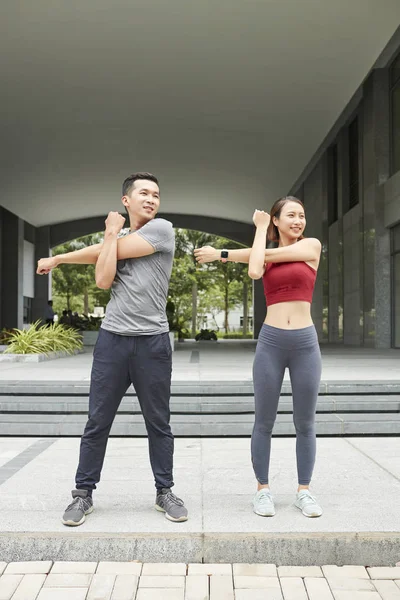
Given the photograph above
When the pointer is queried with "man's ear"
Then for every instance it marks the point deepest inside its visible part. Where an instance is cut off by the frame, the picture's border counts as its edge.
(125, 201)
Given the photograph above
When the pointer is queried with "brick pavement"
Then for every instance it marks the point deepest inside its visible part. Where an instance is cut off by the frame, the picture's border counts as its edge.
(46, 580)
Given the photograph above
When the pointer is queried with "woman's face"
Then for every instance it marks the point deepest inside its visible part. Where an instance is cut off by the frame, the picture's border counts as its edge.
(292, 220)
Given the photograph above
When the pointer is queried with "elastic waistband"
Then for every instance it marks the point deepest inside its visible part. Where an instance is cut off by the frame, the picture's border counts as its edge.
(288, 338)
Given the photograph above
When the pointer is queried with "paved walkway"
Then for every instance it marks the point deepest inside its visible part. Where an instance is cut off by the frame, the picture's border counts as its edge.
(225, 360)
(136, 581)
(357, 482)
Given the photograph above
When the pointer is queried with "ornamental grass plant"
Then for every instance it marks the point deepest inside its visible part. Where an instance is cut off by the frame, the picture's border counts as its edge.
(44, 339)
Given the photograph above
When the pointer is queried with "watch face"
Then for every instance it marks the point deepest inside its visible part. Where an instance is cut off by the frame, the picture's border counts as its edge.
(224, 254)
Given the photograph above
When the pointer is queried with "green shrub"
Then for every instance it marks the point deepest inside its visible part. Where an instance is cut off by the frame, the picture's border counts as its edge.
(84, 323)
(237, 336)
(206, 334)
(5, 336)
(43, 339)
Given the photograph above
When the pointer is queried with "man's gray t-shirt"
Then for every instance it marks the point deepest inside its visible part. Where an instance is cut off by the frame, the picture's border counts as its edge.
(140, 287)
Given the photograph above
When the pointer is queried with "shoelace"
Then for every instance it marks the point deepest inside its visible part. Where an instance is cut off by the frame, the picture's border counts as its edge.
(170, 496)
(80, 502)
(308, 499)
(265, 495)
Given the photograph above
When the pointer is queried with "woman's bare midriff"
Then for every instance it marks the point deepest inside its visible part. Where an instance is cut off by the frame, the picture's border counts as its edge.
(289, 315)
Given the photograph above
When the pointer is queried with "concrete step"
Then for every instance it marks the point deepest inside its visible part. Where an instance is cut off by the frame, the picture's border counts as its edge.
(199, 404)
(197, 388)
(323, 548)
(193, 425)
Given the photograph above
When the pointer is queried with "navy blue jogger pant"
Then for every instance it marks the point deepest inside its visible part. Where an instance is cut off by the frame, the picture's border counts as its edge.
(118, 360)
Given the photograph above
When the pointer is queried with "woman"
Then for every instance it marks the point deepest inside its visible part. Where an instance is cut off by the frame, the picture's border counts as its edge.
(287, 339)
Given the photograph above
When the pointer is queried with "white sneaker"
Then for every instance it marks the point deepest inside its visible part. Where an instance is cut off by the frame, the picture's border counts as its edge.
(308, 504)
(263, 503)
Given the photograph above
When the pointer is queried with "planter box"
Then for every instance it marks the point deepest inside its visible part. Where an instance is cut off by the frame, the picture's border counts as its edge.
(89, 338)
(35, 358)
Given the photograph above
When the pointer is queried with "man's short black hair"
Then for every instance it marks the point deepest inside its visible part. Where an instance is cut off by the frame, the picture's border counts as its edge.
(130, 181)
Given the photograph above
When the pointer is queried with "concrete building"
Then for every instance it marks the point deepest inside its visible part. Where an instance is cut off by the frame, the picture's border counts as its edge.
(231, 108)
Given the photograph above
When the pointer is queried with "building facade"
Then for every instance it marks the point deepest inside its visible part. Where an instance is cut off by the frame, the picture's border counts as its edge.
(351, 191)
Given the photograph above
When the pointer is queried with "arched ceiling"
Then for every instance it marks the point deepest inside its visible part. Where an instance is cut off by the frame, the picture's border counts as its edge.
(225, 101)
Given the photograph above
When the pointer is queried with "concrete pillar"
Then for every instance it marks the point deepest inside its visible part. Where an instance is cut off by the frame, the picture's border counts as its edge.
(381, 134)
(259, 307)
(42, 286)
(11, 270)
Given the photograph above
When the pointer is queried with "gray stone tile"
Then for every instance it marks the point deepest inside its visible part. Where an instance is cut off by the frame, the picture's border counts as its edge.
(197, 587)
(125, 587)
(29, 587)
(8, 585)
(388, 590)
(101, 587)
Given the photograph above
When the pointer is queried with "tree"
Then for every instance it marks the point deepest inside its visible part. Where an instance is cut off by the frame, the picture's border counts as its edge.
(187, 241)
(231, 279)
(75, 284)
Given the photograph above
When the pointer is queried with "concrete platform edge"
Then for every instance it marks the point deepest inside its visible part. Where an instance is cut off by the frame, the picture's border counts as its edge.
(370, 549)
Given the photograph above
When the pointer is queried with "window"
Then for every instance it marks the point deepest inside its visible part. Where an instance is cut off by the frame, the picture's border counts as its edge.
(27, 310)
(333, 213)
(395, 113)
(353, 164)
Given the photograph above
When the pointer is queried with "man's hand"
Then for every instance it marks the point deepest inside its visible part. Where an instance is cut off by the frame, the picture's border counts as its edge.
(207, 254)
(114, 222)
(261, 219)
(45, 265)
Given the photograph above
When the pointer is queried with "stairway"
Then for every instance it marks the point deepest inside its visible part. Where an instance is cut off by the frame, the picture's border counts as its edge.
(208, 409)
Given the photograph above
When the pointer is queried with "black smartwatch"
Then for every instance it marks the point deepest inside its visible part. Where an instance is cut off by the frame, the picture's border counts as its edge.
(224, 256)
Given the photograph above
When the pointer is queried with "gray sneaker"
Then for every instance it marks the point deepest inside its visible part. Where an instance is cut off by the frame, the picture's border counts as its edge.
(81, 506)
(308, 504)
(171, 505)
(263, 503)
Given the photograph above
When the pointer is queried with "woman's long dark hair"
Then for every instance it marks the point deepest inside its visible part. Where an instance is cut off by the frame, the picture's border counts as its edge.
(273, 231)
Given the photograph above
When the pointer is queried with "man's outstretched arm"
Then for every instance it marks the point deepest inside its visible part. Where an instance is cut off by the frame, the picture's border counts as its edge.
(85, 256)
(130, 246)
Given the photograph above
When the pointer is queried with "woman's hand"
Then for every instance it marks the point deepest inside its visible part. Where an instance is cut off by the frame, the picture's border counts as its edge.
(261, 219)
(207, 254)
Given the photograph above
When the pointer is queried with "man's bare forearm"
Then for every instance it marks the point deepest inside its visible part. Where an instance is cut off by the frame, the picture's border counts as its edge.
(106, 265)
(85, 256)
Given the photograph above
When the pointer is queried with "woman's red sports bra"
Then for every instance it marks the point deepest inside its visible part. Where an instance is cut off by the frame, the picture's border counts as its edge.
(288, 281)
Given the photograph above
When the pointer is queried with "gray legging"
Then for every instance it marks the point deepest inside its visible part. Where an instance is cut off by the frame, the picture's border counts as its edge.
(298, 350)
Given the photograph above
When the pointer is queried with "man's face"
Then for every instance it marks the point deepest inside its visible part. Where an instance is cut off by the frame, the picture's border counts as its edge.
(143, 201)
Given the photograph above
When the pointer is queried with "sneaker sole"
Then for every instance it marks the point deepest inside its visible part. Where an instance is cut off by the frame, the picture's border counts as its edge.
(260, 514)
(309, 516)
(77, 523)
(167, 516)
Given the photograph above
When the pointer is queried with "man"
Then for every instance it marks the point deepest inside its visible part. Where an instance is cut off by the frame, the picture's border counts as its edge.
(49, 313)
(133, 344)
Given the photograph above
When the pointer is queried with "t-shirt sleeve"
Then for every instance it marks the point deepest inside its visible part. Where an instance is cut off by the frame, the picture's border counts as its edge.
(160, 234)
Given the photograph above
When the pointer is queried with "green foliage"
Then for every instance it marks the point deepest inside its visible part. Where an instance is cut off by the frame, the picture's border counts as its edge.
(207, 335)
(237, 336)
(43, 339)
(5, 335)
(74, 286)
(197, 290)
(84, 323)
